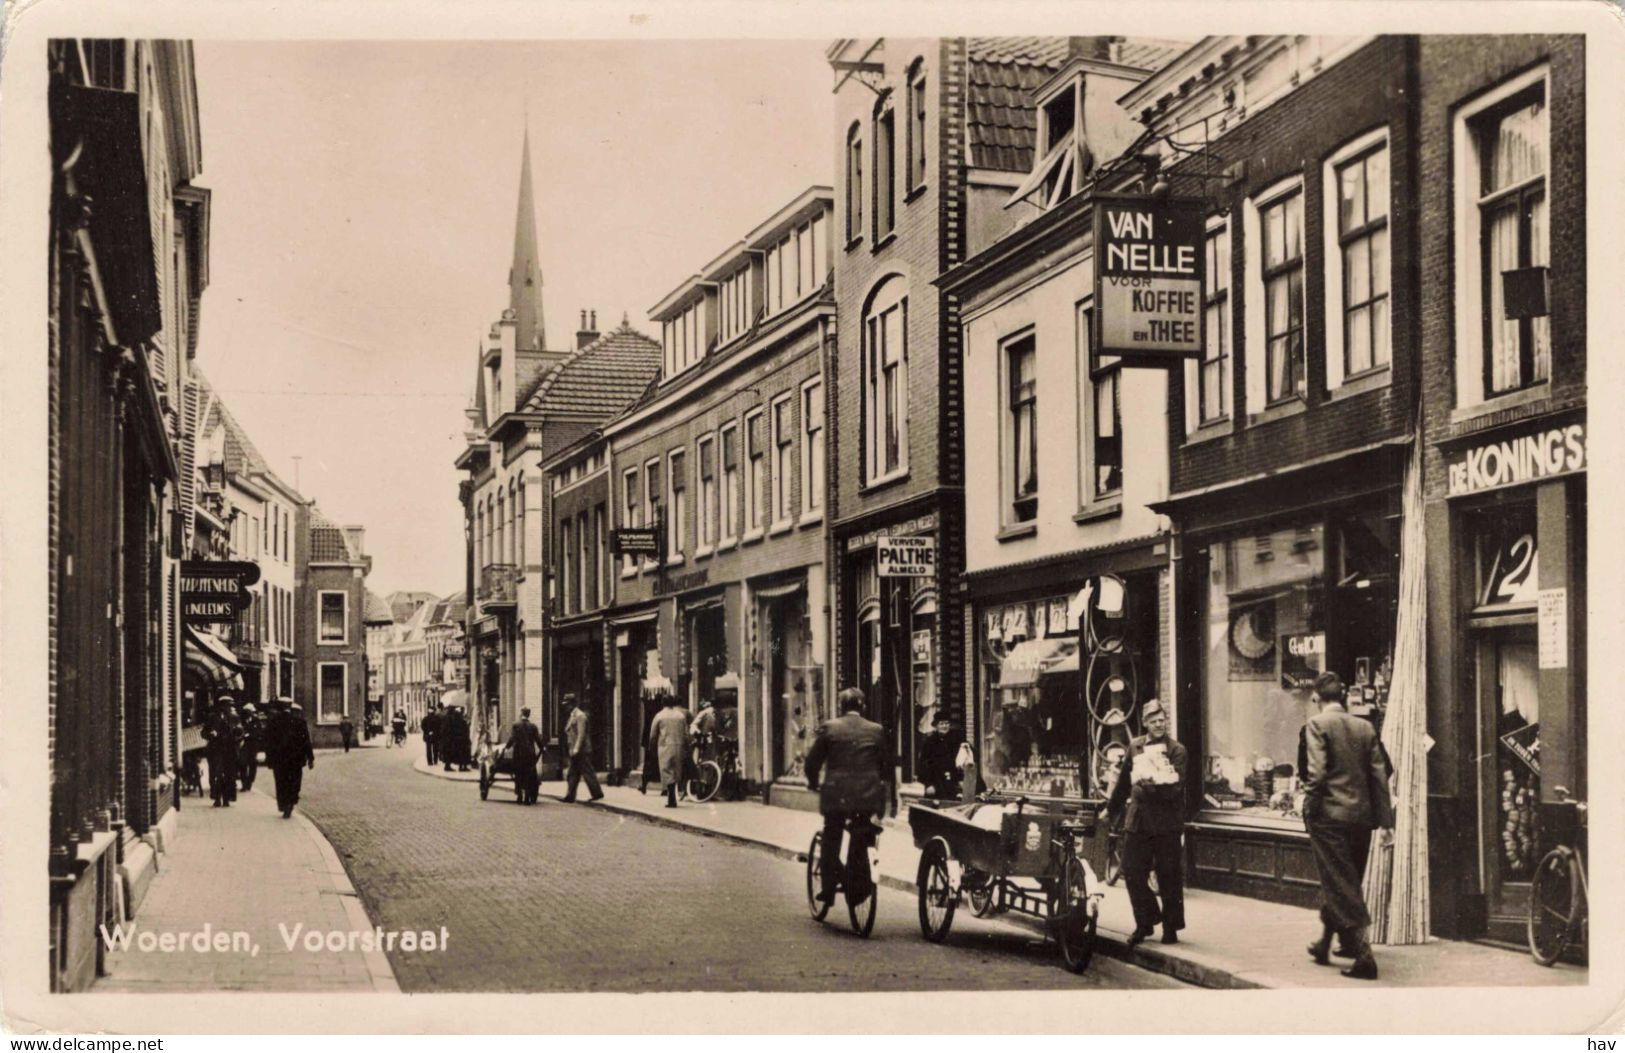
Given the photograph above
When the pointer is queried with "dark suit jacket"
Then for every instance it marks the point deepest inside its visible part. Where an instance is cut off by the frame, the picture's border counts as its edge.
(1345, 777)
(292, 741)
(1153, 808)
(859, 771)
(526, 740)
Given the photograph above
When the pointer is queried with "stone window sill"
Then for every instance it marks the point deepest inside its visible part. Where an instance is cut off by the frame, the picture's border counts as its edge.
(1511, 400)
(1290, 408)
(1208, 432)
(1371, 380)
(1016, 531)
(1096, 513)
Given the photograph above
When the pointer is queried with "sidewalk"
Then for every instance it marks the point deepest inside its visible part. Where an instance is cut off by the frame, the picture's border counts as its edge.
(1231, 942)
(246, 870)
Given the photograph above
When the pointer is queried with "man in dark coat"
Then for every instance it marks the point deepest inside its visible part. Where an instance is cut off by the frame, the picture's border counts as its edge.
(347, 732)
(938, 751)
(431, 734)
(289, 753)
(453, 735)
(850, 765)
(220, 732)
(1151, 783)
(526, 741)
(1345, 786)
(251, 742)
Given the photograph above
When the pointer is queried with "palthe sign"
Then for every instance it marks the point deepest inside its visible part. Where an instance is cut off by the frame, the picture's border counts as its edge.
(906, 557)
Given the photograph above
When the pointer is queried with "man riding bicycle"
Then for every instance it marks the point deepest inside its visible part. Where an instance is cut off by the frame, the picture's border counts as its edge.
(860, 784)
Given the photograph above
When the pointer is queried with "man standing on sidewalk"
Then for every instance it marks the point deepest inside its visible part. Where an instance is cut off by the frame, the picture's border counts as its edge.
(1345, 785)
(526, 741)
(1151, 781)
(578, 744)
(430, 725)
(289, 753)
(669, 743)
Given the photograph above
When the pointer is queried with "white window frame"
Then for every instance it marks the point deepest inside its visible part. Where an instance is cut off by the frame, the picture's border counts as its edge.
(782, 452)
(321, 634)
(871, 396)
(1331, 237)
(1089, 500)
(812, 490)
(674, 514)
(754, 522)
(1007, 429)
(344, 695)
(884, 195)
(1193, 367)
(852, 209)
(729, 503)
(1470, 293)
(705, 511)
(649, 510)
(1254, 344)
(629, 516)
(918, 104)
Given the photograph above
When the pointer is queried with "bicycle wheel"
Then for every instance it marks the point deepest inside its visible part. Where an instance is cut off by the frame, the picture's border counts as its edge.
(979, 890)
(1075, 922)
(706, 782)
(1554, 902)
(1114, 859)
(815, 858)
(937, 899)
(862, 913)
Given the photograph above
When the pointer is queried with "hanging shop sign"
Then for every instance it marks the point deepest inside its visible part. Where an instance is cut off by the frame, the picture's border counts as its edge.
(456, 649)
(906, 557)
(1544, 454)
(213, 591)
(1149, 261)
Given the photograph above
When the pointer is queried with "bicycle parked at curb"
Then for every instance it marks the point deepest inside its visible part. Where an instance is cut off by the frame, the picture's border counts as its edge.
(857, 880)
(1558, 909)
(716, 774)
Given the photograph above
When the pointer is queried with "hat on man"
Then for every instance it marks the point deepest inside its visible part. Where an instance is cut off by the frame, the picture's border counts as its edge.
(524, 712)
(1329, 686)
(1152, 708)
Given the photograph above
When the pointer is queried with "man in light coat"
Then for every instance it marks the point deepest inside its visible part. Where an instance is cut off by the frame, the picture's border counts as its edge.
(669, 743)
(578, 744)
(1345, 785)
(850, 765)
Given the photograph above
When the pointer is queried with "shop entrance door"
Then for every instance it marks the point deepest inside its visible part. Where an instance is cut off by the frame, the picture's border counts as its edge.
(1509, 778)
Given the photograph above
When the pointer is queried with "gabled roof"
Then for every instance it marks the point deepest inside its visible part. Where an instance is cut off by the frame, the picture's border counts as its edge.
(601, 379)
(243, 458)
(403, 605)
(1001, 116)
(377, 612)
(451, 609)
(327, 541)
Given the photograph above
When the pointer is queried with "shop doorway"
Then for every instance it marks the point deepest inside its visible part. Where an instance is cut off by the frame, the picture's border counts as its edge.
(710, 654)
(794, 684)
(632, 648)
(1509, 781)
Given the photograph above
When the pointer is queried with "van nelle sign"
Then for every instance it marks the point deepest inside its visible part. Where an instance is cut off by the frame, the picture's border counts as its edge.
(1148, 279)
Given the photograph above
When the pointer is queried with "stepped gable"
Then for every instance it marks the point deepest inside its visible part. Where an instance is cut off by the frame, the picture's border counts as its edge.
(601, 379)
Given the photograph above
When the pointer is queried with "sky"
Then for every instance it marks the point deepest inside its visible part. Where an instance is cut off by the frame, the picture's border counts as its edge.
(364, 198)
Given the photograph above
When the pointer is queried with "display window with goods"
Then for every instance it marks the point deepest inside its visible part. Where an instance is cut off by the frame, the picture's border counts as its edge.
(1282, 604)
(1061, 681)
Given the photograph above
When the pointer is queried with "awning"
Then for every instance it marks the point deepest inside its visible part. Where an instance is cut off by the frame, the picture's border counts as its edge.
(1029, 658)
(655, 681)
(208, 661)
(773, 592)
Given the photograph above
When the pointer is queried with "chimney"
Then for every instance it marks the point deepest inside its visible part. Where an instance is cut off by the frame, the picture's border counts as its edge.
(355, 537)
(588, 331)
(1099, 48)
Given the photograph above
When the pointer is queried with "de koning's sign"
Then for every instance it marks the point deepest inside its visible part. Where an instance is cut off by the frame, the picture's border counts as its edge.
(1149, 263)
(1526, 458)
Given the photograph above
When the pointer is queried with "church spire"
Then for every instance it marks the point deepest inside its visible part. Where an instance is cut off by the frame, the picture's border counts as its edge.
(525, 276)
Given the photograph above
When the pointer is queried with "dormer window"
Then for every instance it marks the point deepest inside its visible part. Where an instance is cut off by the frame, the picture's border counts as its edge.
(684, 337)
(733, 304)
(1062, 161)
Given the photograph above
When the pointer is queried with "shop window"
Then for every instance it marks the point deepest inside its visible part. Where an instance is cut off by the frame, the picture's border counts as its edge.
(1504, 240)
(1021, 373)
(1207, 382)
(755, 473)
(812, 425)
(1507, 558)
(1358, 334)
(1266, 643)
(730, 482)
(1510, 673)
(885, 384)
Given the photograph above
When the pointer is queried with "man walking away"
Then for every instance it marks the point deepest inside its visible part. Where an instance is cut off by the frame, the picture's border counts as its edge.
(253, 741)
(292, 754)
(1151, 782)
(669, 743)
(1345, 787)
(430, 725)
(221, 736)
(578, 745)
(346, 732)
(526, 742)
(858, 783)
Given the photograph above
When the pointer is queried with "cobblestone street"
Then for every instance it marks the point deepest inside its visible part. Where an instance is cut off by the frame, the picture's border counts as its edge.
(570, 898)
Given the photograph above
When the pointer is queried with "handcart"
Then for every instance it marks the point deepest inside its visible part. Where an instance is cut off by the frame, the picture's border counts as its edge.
(497, 764)
(1009, 854)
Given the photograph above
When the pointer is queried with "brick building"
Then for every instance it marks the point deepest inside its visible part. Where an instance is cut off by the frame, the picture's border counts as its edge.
(726, 458)
(331, 680)
(1068, 450)
(1502, 251)
(1289, 436)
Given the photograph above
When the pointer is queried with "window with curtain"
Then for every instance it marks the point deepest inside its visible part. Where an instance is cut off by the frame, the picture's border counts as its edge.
(332, 617)
(783, 436)
(566, 566)
(1513, 145)
(332, 692)
(1212, 394)
(653, 495)
(679, 504)
(629, 507)
(1362, 234)
(1021, 407)
(1281, 226)
(1105, 454)
(730, 482)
